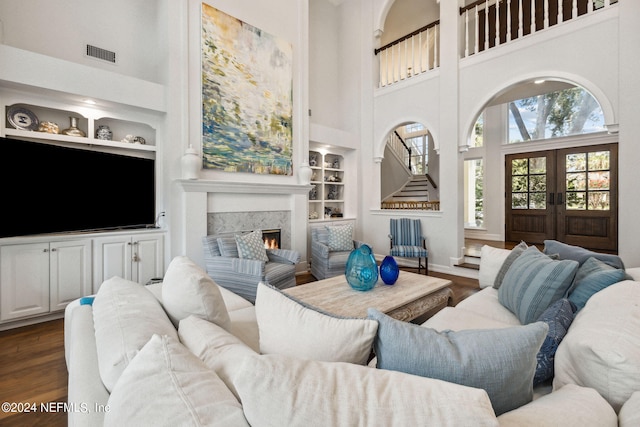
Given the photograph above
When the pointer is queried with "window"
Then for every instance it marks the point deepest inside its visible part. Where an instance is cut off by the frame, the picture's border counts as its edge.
(419, 158)
(478, 131)
(562, 113)
(474, 202)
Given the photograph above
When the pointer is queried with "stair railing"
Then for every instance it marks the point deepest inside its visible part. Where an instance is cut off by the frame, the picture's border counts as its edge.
(400, 148)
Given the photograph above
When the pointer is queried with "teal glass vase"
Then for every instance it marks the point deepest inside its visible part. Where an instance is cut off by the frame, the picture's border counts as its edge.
(389, 270)
(361, 270)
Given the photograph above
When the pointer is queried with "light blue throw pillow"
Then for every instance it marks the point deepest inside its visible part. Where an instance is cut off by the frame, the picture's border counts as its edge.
(559, 317)
(500, 361)
(340, 237)
(534, 282)
(580, 254)
(593, 276)
(251, 246)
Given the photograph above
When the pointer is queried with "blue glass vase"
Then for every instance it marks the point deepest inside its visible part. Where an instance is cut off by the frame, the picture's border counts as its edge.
(361, 271)
(389, 270)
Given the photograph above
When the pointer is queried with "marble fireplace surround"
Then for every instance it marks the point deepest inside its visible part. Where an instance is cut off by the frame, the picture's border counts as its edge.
(207, 204)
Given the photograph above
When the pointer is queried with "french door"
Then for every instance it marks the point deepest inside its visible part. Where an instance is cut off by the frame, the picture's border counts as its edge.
(570, 195)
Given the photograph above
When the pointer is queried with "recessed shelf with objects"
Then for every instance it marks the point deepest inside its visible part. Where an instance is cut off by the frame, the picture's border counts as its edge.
(326, 199)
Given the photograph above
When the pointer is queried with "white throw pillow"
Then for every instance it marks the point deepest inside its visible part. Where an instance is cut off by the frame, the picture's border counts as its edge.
(166, 385)
(278, 390)
(571, 406)
(491, 260)
(218, 349)
(602, 348)
(125, 317)
(188, 290)
(288, 327)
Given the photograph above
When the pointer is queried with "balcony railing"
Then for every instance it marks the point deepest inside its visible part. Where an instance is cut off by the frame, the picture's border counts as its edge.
(484, 24)
(411, 55)
(490, 23)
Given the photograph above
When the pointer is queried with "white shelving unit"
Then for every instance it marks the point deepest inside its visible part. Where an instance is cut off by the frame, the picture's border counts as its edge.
(326, 199)
(88, 121)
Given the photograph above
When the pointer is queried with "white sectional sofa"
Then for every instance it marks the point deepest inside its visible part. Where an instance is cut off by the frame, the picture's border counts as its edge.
(187, 352)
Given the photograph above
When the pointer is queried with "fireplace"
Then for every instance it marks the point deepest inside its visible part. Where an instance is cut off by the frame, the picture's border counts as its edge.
(271, 238)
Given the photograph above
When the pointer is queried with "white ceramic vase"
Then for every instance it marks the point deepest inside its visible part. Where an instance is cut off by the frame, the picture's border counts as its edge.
(191, 163)
(304, 173)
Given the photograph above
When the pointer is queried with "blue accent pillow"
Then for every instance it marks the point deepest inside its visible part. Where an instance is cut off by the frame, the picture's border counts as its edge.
(559, 317)
(500, 361)
(87, 300)
(593, 276)
(580, 254)
(534, 282)
(513, 255)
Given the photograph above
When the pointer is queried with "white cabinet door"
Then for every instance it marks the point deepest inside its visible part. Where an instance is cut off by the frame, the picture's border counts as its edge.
(148, 257)
(70, 272)
(24, 280)
(137, 257)
(111, 257)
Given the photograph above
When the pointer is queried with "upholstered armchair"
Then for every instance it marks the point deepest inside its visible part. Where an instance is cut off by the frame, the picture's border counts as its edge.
(242, 275)
(329, 260)
(407, 241)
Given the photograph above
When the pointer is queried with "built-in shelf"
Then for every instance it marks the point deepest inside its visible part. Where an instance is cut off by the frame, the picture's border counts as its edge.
(326, 198)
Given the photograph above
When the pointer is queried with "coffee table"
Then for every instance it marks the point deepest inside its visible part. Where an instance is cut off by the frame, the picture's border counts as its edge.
(412, 296)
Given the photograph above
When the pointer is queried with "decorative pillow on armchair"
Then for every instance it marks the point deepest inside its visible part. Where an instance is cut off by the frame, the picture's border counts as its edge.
(534, 282)
(251, 246)
(340, 237)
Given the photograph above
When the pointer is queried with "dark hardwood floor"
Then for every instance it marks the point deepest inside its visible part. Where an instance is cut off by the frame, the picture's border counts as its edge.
(33, 368)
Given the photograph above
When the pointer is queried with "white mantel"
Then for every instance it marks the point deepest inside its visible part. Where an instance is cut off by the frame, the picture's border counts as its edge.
(198, 194)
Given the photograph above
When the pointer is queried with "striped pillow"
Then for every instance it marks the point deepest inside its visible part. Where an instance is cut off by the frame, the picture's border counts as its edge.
(534, 282)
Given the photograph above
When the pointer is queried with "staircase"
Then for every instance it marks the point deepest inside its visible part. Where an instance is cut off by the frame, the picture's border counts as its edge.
(413, 195)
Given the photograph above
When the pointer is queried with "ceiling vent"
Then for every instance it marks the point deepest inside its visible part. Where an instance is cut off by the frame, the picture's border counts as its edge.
(102, 54)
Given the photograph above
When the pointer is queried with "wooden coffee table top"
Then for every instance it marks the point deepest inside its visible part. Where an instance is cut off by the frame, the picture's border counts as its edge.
(410, 292)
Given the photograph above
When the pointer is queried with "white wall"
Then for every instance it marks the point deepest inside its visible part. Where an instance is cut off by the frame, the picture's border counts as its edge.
(62, 29)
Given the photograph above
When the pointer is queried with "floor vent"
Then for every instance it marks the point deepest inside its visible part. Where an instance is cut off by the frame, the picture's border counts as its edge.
(102, 54)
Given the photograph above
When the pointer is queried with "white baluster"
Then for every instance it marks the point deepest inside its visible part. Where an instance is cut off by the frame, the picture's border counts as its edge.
(545, 5)
(574, 8)
(560, 12)
(428, 52)
(393, 63)
(486, 25)
(533, 16)
(476, 31)
(466, 33)
(508, 38)
(497, 23)
(520, 19)
(421, 52)
(436, 46)
(413, 55)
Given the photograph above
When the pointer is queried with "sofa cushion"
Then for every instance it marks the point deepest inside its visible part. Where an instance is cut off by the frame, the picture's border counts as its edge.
(125, 317)
(534, 282)
(491, 260)
(602, 348)
(580, 254)
(340, 237)
(559, 317)
(508, 262)
(228, 246)
(459, 319)
(629, 415)
(500, 361)
(293, 392)
(486, 303)
(188, 290)
(251, 246)
(592, 276)
(166, 376)
(288, 327)
(218, 349)
(571, 406)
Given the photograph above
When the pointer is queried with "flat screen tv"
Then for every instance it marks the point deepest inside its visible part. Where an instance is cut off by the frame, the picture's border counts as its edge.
(47, 188)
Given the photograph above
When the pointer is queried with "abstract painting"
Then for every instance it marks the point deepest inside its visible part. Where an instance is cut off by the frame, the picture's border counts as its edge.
(247, 101)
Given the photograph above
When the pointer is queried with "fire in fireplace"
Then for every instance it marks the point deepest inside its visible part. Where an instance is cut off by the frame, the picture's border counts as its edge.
(271, 238)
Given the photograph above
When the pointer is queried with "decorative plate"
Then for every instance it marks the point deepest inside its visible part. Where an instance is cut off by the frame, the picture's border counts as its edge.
(23, 119)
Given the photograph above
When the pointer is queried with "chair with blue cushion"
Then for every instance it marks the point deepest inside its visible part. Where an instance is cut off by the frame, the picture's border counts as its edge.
(242, 275)
(407, 241)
